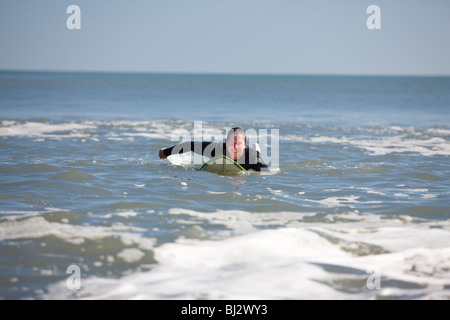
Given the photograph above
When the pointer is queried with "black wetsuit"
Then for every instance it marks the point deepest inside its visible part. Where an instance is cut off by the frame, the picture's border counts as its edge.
(250, 160)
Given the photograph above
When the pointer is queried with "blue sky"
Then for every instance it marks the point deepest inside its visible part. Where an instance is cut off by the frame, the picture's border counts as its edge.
(228, 36)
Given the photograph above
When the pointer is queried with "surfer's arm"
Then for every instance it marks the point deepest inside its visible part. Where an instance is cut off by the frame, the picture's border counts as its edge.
(162, 154)
(202, 148)
(256, 162)
(260, 167)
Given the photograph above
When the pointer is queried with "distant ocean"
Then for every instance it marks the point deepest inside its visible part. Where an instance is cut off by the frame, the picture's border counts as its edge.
(356, 205)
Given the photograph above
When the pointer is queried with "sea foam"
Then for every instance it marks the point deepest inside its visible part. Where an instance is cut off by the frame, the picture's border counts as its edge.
(306, 261)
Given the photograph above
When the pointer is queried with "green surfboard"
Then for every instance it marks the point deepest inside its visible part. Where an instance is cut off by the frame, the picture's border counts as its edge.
(223, 165)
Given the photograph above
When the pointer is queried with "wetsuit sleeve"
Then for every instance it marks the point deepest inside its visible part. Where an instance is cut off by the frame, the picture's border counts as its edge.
(254, 161)
(209, 149)
(260, 164)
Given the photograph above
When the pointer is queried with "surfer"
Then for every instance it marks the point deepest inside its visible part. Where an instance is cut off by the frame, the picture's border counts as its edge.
(235, 147)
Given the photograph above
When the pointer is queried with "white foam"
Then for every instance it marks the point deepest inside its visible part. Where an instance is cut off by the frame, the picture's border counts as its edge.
(395, 236)
(131, 255)
(416, 190)
(438, 132)
(278, 192)
(256, 265)
(124, 214)
(45, 130)
(38, 227)
(17, 214)
(382, 145)
(341, 201)
(120, 139)
(401, 195)
(372, 191)
(241, 221)
(123, 130)
(289, 263)
(428, 196)
(184, 159)
(273, 244)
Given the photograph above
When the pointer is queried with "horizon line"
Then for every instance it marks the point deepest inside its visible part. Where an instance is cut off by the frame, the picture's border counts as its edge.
(218, 73)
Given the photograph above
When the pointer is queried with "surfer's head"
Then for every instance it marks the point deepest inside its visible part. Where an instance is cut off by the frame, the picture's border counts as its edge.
(236, 142)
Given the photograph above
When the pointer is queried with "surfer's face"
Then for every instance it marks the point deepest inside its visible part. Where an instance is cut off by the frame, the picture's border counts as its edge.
(236, 146)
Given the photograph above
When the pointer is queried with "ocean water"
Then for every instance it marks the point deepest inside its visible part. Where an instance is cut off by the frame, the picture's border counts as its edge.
(356, 205)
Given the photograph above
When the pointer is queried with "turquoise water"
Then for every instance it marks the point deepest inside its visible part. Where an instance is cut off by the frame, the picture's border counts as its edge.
(359, 182)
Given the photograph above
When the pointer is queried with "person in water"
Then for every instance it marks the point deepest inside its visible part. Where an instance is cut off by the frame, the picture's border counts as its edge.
(235, 147)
